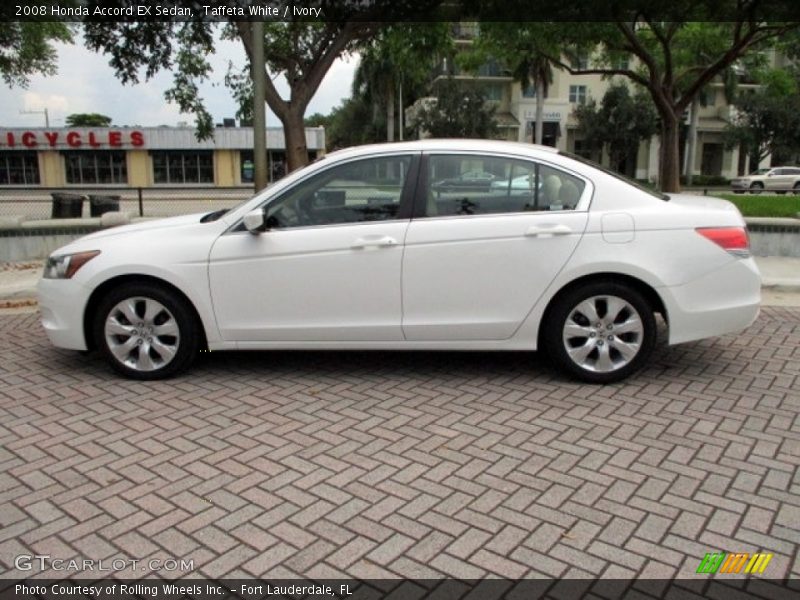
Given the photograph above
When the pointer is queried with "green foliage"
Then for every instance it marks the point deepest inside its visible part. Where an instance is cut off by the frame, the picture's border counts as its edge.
(677, 50)
(87, 120)
(351, 124)
(139, 50)
(765, 205)
(318, 120)
(621, 122)
(523, 50)
(460, 111)
(300, 51)
(767, 120)
(192, 68)
(27, 48)
(398, 56)
(707, 180)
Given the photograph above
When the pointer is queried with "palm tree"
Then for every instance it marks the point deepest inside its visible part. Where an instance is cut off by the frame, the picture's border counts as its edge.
(375, 81)
(536, 69)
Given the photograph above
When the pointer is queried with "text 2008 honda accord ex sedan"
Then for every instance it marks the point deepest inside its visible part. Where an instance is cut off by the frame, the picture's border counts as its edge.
(369, 249)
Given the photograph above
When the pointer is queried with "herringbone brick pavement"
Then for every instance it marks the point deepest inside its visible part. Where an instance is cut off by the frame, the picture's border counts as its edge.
(374, 465)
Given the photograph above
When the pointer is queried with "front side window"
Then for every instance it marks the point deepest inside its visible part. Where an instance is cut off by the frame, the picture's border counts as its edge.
(19, 168)
(355, 192)
(480, 185)
(86, 166)
(183, 167)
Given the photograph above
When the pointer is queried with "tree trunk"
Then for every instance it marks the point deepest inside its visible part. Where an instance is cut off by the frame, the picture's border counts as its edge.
(691, 148)
(741, 165)
(539, 126)
(295, 135)
(390, 113)
(669, 168)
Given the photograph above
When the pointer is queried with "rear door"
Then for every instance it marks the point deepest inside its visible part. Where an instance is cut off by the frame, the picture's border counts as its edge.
(478, 258)
(778, 180)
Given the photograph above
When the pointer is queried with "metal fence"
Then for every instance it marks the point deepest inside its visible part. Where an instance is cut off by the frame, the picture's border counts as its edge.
(37, 203)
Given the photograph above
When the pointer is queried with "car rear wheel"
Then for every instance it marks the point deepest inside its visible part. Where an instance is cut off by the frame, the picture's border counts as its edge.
(756, 188)
(146, 331)
(600, 332)
(796, 188)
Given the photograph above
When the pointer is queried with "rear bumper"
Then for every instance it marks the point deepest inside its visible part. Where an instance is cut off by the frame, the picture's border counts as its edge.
(62, 303)
(725, 301)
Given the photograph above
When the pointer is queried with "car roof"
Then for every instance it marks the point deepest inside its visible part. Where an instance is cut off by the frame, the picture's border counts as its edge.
(455, 145)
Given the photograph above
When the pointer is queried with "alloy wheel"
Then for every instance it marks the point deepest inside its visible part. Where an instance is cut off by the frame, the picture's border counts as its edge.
(142, 334)
(603, 333)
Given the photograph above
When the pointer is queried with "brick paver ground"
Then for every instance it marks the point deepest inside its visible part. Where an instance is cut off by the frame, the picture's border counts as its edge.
(404, 464)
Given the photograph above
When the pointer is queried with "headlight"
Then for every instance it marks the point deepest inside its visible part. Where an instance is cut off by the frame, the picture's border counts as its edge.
(66, 265)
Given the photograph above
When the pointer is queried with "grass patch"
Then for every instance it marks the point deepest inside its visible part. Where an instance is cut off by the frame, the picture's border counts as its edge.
(765, 205)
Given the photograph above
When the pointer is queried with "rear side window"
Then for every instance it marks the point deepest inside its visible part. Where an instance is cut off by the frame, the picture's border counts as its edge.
(479, 185)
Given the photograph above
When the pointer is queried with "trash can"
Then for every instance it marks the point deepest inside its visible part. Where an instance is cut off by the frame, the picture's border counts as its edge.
(100, 205)
(67, 206)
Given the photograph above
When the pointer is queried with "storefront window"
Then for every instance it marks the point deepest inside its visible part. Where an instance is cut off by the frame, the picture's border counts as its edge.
(183, 167)
(96, 167)
(19, 168)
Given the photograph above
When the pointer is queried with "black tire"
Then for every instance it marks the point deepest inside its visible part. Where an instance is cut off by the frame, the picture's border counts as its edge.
(756, 188)
(565, 308)
(184, 345)
(796, 189)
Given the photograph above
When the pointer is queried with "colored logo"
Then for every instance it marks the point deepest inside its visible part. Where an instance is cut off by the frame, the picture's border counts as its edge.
(732, 562)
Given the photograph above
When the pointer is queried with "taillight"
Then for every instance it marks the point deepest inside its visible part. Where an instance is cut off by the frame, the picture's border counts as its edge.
(731, 239)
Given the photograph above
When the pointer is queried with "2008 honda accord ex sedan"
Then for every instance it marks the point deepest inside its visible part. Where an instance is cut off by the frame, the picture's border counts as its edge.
(372, 248)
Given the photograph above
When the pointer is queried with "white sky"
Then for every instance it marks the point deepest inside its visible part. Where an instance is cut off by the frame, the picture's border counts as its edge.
(85, 84)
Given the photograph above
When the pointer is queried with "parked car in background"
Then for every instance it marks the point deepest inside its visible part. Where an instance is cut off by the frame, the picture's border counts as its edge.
(774, 179)
(466, 180)
(361, 251)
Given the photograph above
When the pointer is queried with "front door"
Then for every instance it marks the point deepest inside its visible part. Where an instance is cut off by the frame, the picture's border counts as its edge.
(328, 268)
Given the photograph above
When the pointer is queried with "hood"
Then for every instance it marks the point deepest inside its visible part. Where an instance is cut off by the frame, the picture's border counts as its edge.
(98, 239)
(152, 225)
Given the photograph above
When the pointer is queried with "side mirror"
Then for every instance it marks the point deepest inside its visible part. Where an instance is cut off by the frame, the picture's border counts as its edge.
(255, 222)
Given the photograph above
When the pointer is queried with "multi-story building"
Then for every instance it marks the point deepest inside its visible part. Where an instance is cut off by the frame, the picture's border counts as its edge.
(516, 113)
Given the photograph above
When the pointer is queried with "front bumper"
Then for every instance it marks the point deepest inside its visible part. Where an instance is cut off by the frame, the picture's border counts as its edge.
(62, 303)
(740, 185)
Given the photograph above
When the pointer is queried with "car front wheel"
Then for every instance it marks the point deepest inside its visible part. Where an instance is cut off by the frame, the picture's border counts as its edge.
(756, 188)
(600, 332)
(146, 331)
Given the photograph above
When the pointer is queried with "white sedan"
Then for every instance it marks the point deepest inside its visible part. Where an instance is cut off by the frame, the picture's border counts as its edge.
(361, 251)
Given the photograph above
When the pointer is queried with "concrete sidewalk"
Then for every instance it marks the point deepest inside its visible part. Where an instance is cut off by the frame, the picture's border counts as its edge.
(780, 277)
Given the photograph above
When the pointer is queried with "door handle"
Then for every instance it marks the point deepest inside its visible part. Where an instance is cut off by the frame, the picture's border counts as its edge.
(373, 242)
(551, 231)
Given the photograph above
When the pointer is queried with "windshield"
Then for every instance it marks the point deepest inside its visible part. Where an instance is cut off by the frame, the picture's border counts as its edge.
(628, 180)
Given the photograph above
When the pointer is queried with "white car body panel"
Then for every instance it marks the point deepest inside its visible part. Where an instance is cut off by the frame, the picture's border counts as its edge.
(309, 283)
(477, 277)
(474, 282)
